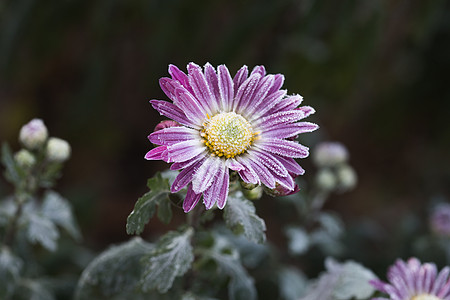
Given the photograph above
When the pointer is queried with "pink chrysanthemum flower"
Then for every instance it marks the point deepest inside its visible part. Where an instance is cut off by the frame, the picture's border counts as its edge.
(241, 124)
(415, 281)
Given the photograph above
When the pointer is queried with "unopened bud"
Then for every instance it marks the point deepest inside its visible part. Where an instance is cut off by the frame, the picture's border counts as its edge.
(253, 194)
(329, 154)
(326, 180)
(166, 124)
(33, 134)
(440, 219)
(248, 185)
(25, 159)
(347, 177)
(58, 150)
(280, 190)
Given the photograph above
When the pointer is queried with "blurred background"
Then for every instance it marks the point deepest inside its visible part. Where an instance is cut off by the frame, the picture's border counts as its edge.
(376, 71)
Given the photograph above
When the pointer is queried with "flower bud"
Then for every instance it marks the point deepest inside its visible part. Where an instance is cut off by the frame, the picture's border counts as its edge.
(253, 194)
(440, 219)
(33, 134)
(58, 150)
(248, 185)
(347, 177)
(329, 154)
(280, 190)
(326, 180)
(25, 159)
(166, 124)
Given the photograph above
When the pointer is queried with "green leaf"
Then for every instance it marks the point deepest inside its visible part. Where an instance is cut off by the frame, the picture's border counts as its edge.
(172, 257)
(145, 206)
(240, 217)
(241, 285)
(292, 283)
(345, 281)
(298, 240)
(13, 172)
(10, 266)
(115, 273)
(58, 210)
(42, 230)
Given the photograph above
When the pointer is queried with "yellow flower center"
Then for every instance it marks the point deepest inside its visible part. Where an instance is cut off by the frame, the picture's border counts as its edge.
(227, 134)
(425, 297)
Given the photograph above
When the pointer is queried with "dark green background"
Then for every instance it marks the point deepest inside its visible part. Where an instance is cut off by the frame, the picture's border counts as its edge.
(376, 71)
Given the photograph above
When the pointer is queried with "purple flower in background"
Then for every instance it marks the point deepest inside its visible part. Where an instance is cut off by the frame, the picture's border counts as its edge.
(241, 124)
(440, 219)
(412, 280)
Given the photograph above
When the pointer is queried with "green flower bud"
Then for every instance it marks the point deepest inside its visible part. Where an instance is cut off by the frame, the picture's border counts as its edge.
(25, 159)
(347, 177)
(253, 194)
(326, 180)
(58, 150)
(33, 134)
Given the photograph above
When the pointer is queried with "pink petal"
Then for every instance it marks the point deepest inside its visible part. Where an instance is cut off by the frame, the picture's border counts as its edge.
(180, 76)
(277, 84)
(190, 105)
(269, 161)
(226, 88)
(248, 174)
(205, 174)
(172, 135)
(259, 96)
(187, 163)
(282, 117)
(184, 151)
(173, 112)
(218, 191)
(213, 83)
(169, 86)
(258, 70)
(191, 199)
(232, 164)
(263, 173)
(201, 89)
(184, 177)
(288, 103)
(283, 147)
(156, 153)
(239, 78)
(291, 165)
(245, 93)
(283, 131)
(266, 105)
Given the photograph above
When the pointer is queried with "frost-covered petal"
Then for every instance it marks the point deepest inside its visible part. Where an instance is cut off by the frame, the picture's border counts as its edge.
(258, 70)
(180, 76)
(290, 130)
(234, 165)
(259, 96)
(191, 199)
(184, 177)
(239, 78)
(288, 103)
(184, 150)
(187, 163)
(172, 135)
(270, 162)
(205, 174)
(156, 153)
(283, 147)
(218, 191)
(201, 89)
(226, 87)
(245, 93)
(291, 165)
(173, 112)
(263, 173)
(277, 83)
(247, 174)
(276, 119)
(269, 102)
(190, 105)
(213, 83)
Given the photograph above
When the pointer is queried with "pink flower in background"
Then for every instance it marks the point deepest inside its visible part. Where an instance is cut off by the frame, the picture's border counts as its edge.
(412, 280)
(242, 124)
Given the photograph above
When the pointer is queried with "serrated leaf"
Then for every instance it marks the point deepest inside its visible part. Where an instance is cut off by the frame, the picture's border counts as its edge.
(240, 216)
(114, 273)
(13, 172)
(145, 206)
(59, 211)
(172, 257)
(10, 266)
(42, 230)
(241, 285)
(298, 240)
(345, 281)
